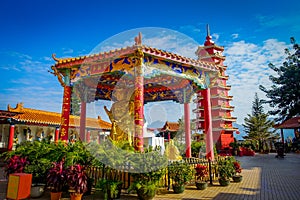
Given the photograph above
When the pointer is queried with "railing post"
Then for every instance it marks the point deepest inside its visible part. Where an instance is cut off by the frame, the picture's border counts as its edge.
(209, 169)
(169, 180)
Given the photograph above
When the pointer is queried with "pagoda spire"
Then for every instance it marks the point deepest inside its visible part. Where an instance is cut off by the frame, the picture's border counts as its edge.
(208, 41)
(207, 30)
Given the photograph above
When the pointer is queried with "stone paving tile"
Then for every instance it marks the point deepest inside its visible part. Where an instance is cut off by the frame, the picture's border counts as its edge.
(264, 178)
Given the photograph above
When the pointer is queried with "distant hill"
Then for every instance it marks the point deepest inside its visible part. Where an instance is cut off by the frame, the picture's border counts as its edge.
(241, 130)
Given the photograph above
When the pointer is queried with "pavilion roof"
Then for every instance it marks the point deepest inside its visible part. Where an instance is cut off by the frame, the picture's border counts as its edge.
(289, 124)
(68, 62)
(167, 75)
(41, 117)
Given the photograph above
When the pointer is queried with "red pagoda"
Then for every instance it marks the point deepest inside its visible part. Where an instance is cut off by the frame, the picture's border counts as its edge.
(221, 109)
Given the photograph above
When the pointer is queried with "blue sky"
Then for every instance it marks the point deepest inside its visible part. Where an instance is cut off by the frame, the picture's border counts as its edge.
(253, 34)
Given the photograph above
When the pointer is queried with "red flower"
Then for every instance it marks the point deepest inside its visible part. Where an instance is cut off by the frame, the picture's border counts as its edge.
(201, 171)
(237, 167)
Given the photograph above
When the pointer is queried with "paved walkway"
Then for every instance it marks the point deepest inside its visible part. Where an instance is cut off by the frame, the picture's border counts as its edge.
(264, 178)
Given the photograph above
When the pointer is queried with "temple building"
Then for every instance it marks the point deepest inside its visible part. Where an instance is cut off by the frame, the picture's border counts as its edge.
(169, 130)
(29, 124)
(221, 109)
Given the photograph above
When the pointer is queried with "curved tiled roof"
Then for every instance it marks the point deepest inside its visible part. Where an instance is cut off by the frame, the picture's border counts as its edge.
(170, 126)
(64, 62)
(42, 117)
(289, 124)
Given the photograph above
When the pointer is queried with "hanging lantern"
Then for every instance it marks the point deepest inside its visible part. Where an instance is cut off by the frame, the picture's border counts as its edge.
(237, 132)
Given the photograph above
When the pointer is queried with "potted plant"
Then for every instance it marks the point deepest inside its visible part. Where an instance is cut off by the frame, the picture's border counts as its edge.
(237, 177)
(201, 175)
(226, 170)
(180, 172)
(146, 184)
(15, 164)
(110, 184)
(111, 189)
(56, 180)
(38, 169)
(77, 180)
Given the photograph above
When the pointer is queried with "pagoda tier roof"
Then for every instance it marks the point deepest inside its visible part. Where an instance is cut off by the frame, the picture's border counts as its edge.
(167, 76)
(212, 46)
(292, 123)
(41, 117)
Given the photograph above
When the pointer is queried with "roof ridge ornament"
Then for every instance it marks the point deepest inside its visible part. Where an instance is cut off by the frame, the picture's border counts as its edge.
(54, 57)
(138, 39)
(19, 107)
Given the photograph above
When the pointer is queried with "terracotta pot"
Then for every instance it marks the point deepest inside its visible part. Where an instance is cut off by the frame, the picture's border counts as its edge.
(76, 196)
(55, 195)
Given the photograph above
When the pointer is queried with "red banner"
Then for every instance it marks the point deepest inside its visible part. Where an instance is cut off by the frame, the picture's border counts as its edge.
(65, 114)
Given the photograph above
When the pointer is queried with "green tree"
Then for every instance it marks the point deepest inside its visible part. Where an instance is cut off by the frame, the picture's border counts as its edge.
(284, 95)
(257, 125)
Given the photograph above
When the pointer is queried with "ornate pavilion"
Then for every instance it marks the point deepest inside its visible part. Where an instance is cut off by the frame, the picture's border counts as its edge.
(135, 75)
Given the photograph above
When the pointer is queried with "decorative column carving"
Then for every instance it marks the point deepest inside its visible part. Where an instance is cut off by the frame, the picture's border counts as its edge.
(66, 107)
(139, 102)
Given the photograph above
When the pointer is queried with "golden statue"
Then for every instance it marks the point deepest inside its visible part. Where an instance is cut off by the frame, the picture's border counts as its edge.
(121, 116)
(172, 151)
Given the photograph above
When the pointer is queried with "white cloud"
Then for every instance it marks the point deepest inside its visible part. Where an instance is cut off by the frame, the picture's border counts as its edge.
(67, 50)
(248, 68)
(31, 83)
(160, 38)
(235, 35)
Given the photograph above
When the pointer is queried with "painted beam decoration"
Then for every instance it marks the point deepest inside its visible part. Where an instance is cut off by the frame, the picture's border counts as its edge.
(165, 75)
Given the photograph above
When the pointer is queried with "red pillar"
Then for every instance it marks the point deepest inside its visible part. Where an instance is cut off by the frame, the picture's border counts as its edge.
(11, 137)
(187, 127)
(139, 104)
(65, 115)
(82, 120)
(56, 136)
(88, 136)
(208, 124)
